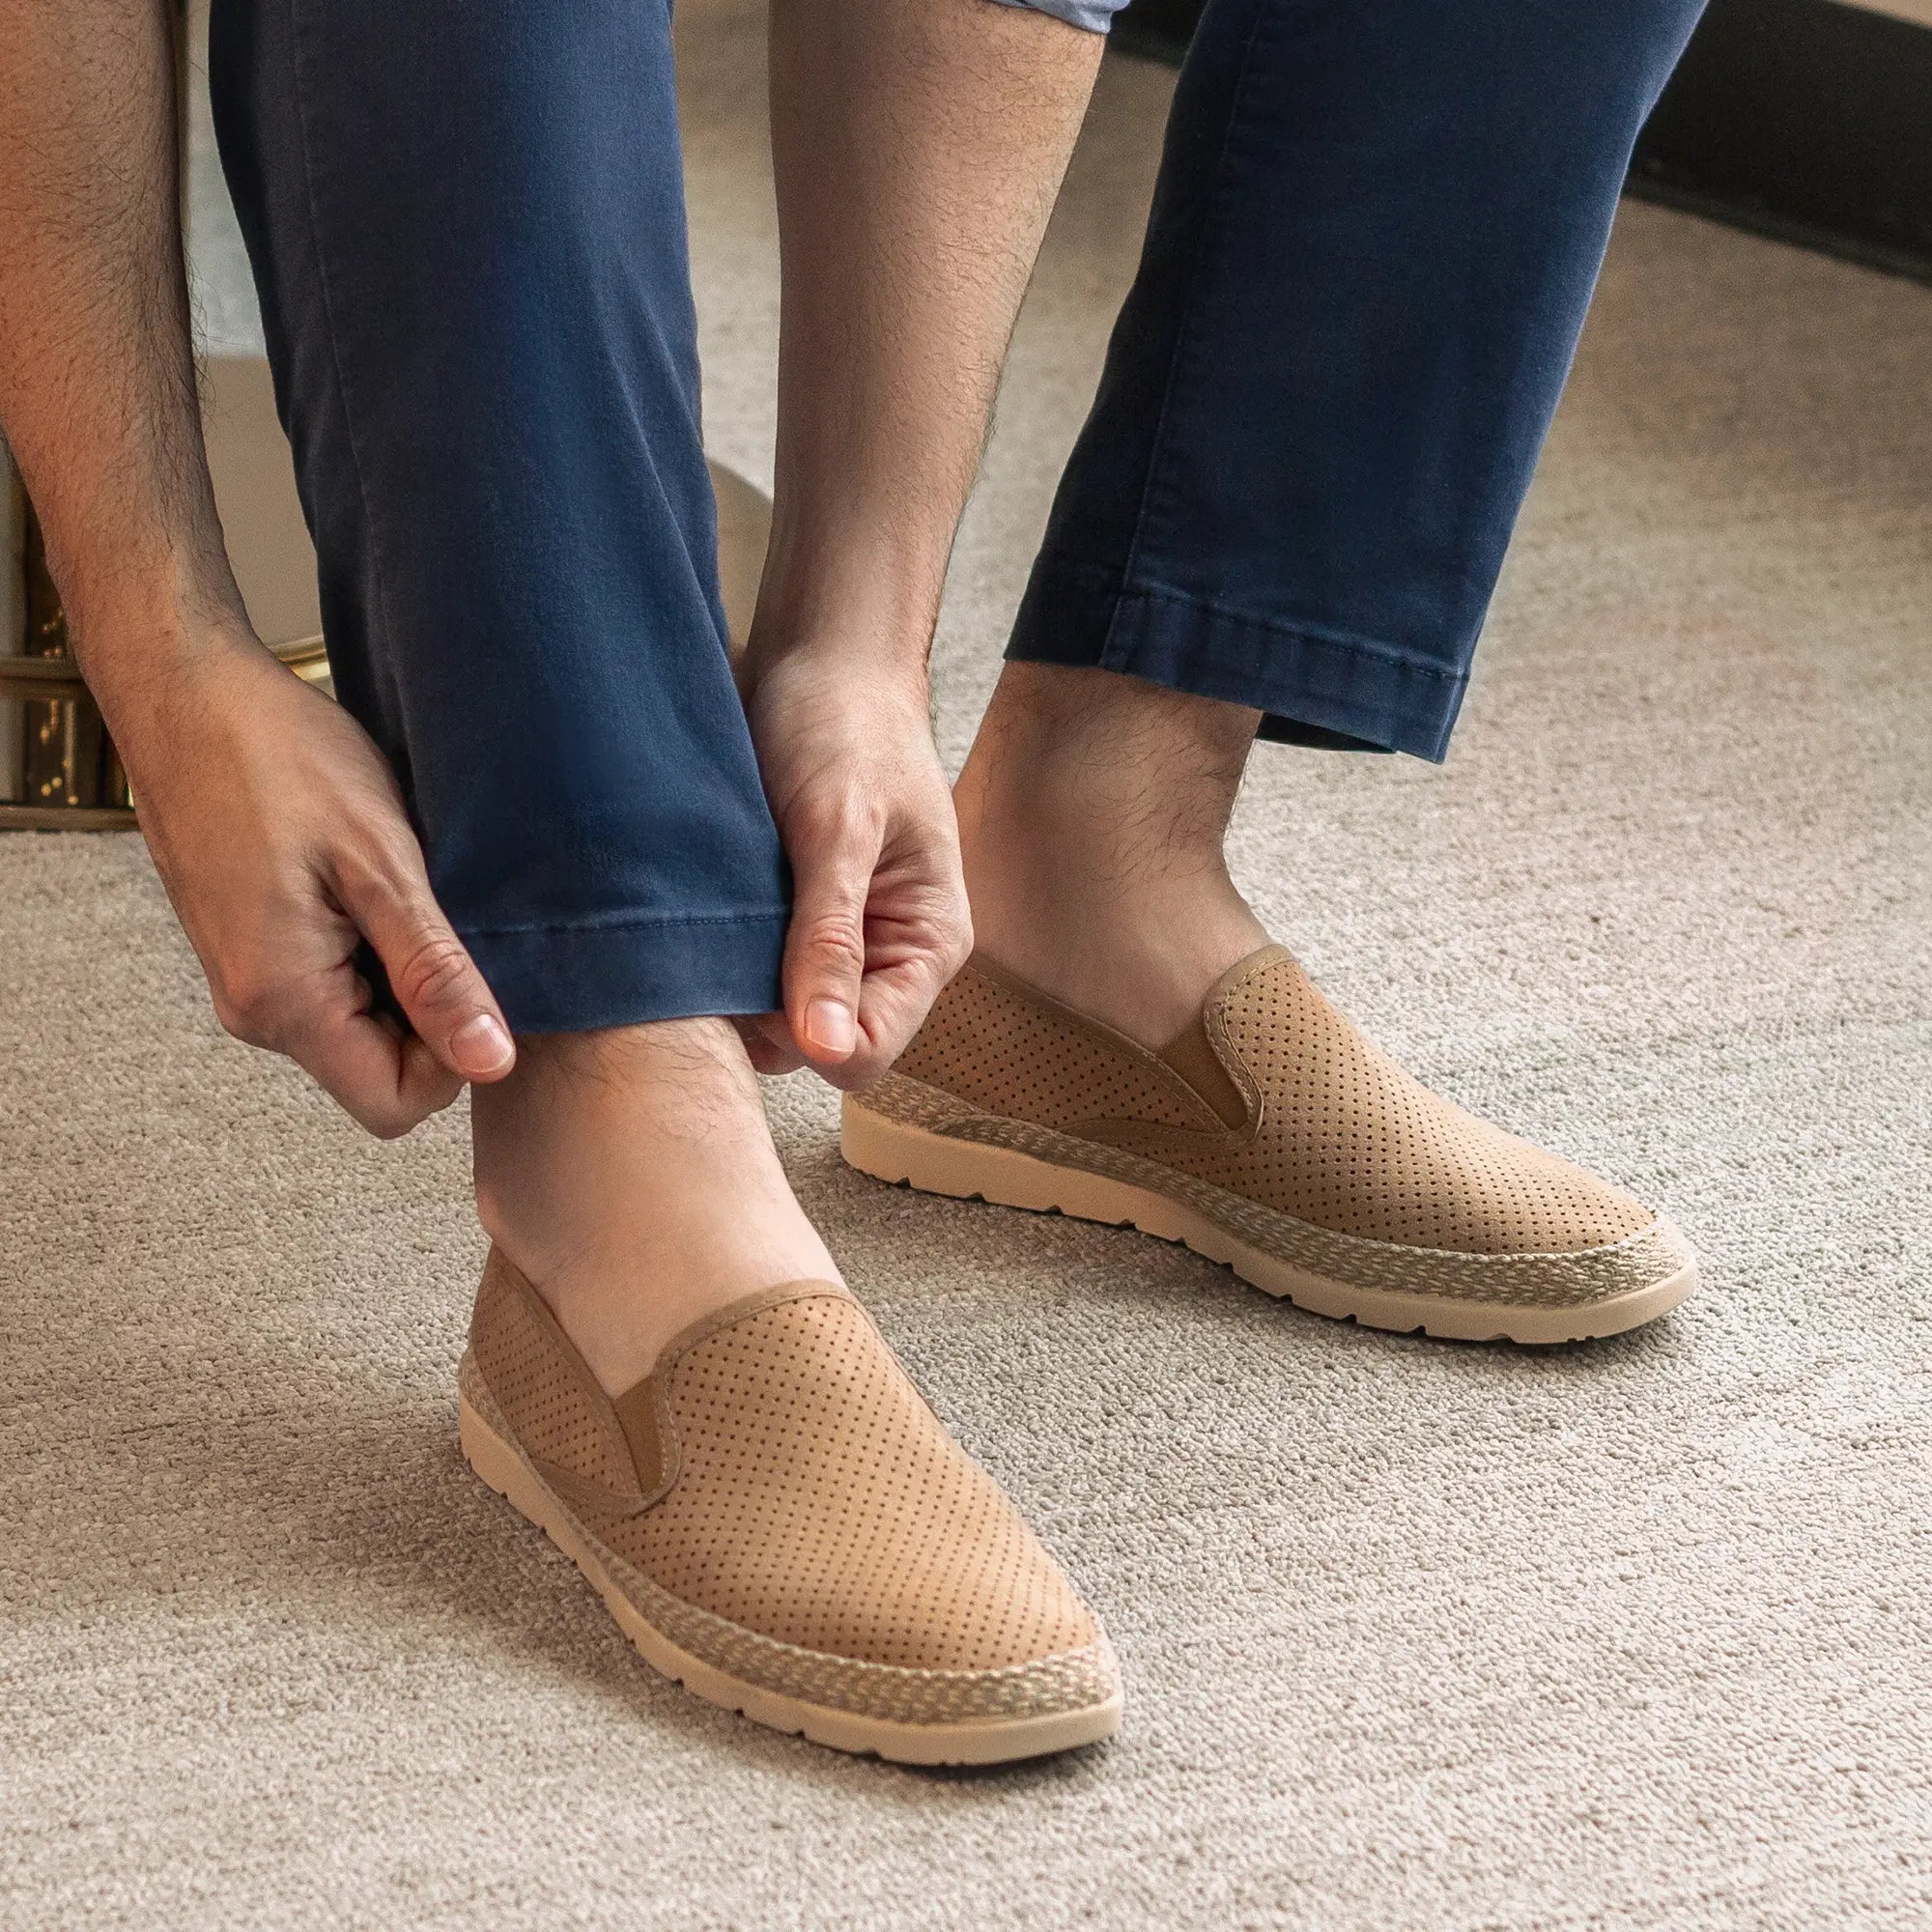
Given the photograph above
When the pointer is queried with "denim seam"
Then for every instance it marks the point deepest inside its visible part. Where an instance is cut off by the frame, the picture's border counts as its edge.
(1393, 656)
(649, 922)
(1182, 333)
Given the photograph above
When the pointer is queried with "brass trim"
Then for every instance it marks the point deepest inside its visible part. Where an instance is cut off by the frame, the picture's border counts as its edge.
(67, 818)
(40, 677)
(59, 678)
(306, 657)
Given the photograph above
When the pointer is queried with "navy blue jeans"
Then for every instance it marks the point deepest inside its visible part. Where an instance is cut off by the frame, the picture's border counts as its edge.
(1375, 236)
(1376, 232)
(467, 228)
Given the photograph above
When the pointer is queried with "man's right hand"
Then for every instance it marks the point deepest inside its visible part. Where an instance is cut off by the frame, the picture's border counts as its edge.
(281, 836)
(274, 821)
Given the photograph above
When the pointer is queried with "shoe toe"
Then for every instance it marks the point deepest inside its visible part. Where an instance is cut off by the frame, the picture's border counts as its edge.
(825, 1527)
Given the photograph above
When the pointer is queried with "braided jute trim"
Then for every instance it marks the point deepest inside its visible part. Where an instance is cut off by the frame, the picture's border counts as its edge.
(1578, 1279)
(1070, 1681)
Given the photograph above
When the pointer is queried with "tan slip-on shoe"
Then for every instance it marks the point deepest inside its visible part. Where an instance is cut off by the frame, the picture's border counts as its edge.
(1275, 1137)
(777, 1519)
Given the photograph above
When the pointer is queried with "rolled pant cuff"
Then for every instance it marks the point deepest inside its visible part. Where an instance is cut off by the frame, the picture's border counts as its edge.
(1312, 686)
(621, 971)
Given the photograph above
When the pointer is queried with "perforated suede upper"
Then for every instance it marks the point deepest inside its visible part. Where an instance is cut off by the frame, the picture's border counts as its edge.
(820, 1501)
(813, 1496)
(560, 1414)
(1336, 1135)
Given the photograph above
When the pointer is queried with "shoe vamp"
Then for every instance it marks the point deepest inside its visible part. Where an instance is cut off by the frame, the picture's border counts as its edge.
(1348, 1140)
(819, 1502)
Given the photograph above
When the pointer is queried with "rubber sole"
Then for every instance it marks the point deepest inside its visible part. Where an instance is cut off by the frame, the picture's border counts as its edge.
(502, 1466)
(914, 1156)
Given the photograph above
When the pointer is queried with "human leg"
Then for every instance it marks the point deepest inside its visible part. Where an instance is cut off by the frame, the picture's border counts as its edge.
(1374, 240)
(468, 231)
(485, 349)
(469, 239)
(1375, 236)
(1373, 243)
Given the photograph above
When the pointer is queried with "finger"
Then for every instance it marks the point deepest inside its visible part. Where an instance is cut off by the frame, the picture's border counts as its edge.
(908, 961)
(431, 973)
(908, 969)
(386, 1080)
(825, 943)
(768, 1042)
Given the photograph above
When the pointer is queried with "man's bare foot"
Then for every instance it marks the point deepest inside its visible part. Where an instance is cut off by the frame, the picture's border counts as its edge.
(1092, 813)
(630, 1174)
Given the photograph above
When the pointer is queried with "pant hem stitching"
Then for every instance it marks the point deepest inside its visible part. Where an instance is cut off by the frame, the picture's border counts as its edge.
(624, 923)
(1109, 583)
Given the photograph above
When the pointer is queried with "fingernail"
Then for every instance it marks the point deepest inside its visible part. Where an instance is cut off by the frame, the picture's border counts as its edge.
(480, 1047)
(830, 1027)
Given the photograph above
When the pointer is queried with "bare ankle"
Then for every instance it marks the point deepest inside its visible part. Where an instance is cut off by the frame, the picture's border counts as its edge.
(1091, 813)
(631, 1175)
(1124, 765)
(569, 1094)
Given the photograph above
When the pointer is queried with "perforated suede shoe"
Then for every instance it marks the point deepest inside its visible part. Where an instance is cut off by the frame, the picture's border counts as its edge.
(1271, 1136)
(777, 1519)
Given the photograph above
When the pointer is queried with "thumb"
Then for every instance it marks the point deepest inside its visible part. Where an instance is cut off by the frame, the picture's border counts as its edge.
(825, 950)
(432, 975)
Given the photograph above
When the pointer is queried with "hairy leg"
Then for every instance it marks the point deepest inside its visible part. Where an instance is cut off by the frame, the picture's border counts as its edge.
(918, 146)
(1092, 813)
(1371, 248)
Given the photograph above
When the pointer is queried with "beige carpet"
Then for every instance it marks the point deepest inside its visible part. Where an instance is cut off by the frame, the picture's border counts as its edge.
(1415, 1635)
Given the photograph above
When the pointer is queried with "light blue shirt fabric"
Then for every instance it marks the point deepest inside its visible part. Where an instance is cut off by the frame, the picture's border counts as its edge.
(1096, 15)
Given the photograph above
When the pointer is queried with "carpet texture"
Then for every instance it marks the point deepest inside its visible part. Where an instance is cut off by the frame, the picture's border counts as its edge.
(1414, 1635)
